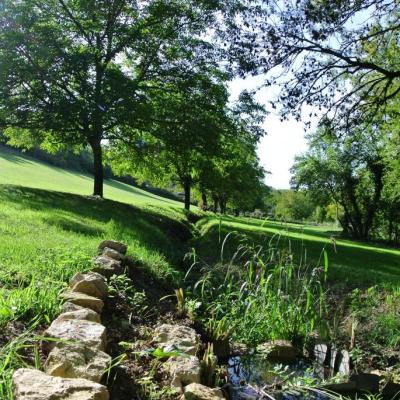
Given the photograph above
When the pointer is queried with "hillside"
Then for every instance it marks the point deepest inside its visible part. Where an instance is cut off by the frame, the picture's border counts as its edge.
(28, 172)
(50, 229)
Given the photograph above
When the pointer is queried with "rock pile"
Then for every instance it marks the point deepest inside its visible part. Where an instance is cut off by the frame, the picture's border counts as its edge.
(76, 340)
(184, 369)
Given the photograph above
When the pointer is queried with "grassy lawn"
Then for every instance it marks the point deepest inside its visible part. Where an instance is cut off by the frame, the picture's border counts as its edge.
(351, 263)
(26, 171)
(50, 228)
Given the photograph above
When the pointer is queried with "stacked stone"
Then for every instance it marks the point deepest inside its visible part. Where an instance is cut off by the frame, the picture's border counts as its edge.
(185, 370)
(76, 340)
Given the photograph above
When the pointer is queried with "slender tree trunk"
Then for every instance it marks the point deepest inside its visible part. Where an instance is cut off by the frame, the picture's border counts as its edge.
(186, 189)
(215, 206)
(204, 201)
(97, 167)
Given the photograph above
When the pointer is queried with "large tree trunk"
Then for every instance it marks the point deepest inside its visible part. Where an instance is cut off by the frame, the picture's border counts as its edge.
(97, 167)
(186, 189)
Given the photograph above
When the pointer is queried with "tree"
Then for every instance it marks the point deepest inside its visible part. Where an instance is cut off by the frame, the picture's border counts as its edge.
(189, 116)
(234, 174)
(293, 206)
(341, 56)
(348, 170)
(76, 71)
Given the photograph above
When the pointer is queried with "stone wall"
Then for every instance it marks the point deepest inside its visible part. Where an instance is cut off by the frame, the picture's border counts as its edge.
(75, 342)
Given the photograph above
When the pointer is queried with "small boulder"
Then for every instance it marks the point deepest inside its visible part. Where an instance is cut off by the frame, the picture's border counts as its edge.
(183, 370)
(111, 253)
(196, 391)
(90, 333)
(84, 300)
(31, 384)
(342, 364)
(344, 389)
(107, 266)
(179, 337)
(112, 244)
(281, 351)
(68, 307)
(92, 284)
(85, 314)
(76, 360)
(321, 353)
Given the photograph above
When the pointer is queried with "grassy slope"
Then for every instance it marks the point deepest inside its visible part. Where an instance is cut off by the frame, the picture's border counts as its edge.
(49, 230)
(350, 262)
(28, 172)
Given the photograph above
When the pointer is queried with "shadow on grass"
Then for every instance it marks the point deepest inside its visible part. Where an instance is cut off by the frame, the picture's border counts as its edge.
(155, 231)
(133, 190)
(350, 265)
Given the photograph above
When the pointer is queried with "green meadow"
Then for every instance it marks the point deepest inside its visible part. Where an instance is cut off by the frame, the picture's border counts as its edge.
(50, 228)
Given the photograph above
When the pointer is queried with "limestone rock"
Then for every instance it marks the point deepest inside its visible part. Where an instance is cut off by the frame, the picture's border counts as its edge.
(184, 370)
(179, 337)
(31, 384)
(113, 244)
(111, 253)
(321, 351)
(196, 391)
(68, 307)
(92, 284)
(281, 351)
(84, 300)
(342, 363)
(76, 360)
(107, 266)
(82, 313)
(90, 333)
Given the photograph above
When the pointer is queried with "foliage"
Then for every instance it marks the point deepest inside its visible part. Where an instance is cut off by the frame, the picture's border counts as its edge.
(78, 72)
(346, 170)
(261, 295)
(292, 206)
(339, 56)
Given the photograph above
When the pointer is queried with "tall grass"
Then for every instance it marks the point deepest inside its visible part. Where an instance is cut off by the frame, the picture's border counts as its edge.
(21, 352)
(260, 295)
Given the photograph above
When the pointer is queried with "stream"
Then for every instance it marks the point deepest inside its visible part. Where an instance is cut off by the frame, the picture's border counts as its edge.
(254, 377)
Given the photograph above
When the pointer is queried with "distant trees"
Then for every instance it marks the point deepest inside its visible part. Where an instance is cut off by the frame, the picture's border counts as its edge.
(199, 140)
(349, 171)
(79, 72)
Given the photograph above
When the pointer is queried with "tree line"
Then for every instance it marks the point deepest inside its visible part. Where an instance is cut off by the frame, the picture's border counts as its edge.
(140, 83)
(144, 85)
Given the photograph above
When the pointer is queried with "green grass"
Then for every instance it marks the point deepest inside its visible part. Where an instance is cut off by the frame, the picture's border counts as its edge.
(25, 171)
(351, 263)
(47, 236)
(50, 228)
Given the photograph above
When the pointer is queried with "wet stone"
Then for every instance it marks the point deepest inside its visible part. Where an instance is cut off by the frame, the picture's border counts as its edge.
(281, 351)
